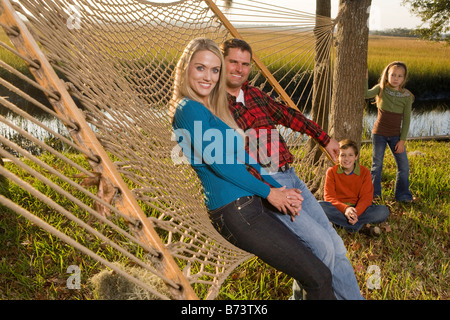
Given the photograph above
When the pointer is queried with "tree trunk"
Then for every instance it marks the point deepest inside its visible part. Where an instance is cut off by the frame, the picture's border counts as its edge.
(352, 36)
(322, 73)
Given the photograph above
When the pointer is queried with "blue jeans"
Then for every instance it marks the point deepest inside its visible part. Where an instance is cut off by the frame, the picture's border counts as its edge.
(250, 224)
(373, 214)
(316, 231)
(379, 143)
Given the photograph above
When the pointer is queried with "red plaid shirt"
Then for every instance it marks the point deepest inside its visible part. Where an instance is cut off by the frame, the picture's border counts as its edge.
(261, 113)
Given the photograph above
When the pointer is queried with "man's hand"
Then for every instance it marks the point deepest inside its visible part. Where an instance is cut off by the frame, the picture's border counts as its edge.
(333, 149)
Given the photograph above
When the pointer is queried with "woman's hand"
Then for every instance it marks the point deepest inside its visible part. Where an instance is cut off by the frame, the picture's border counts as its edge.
(351, 215)
(287, 201)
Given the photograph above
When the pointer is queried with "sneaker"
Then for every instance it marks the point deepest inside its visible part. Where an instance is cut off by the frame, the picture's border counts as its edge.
(371, 230)
(375, 231)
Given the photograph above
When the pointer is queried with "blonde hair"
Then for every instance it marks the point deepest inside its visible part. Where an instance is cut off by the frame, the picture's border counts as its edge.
(384, 79)
(217, 100)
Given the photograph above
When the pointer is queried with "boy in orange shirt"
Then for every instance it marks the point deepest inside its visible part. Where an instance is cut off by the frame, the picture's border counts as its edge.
(348, 192)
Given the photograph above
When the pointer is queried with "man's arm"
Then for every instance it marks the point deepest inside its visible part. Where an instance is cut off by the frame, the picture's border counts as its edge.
(295, 120)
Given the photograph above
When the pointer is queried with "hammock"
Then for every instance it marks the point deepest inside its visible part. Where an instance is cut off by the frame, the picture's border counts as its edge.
(102, 75)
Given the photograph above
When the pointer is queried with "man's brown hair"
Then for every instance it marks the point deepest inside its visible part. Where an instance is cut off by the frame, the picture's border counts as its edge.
(235, 43)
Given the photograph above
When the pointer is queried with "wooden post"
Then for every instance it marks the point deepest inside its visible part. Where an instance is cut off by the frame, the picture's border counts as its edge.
(85, 137)
(273, 82)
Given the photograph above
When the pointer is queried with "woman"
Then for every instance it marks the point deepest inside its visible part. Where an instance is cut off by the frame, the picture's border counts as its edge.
(241, 207)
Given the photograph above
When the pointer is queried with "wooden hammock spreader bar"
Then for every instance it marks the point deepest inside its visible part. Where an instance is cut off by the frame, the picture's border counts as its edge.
(270, 78)
(257, 61)
(64, 105)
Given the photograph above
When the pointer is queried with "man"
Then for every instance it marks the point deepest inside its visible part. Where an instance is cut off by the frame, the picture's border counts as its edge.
(257, 113)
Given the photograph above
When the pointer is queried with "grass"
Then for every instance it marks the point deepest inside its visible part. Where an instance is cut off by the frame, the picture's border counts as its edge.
(33, 263)
(412, 252)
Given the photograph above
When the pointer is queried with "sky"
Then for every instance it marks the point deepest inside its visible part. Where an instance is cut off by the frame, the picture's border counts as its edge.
(392, 14)
(384, 14)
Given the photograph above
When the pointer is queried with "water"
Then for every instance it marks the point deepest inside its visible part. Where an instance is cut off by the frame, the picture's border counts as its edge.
(434, 122)
(428, 119)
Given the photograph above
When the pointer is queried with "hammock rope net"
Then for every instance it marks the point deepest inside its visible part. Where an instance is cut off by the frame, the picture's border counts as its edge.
(94, 129)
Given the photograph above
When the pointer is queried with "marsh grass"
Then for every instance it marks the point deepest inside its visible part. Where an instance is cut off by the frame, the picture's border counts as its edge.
(428, 63)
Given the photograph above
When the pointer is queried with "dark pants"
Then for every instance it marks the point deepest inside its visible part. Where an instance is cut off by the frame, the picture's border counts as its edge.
(249, 223)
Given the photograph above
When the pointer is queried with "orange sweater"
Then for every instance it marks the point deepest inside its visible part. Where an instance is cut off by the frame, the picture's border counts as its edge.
(344, 190)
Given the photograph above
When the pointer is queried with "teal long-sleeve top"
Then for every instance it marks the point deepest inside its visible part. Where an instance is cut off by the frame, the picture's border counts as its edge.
(217, 154)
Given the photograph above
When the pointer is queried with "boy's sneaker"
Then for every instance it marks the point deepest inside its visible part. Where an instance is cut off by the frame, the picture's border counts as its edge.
(371, 230)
